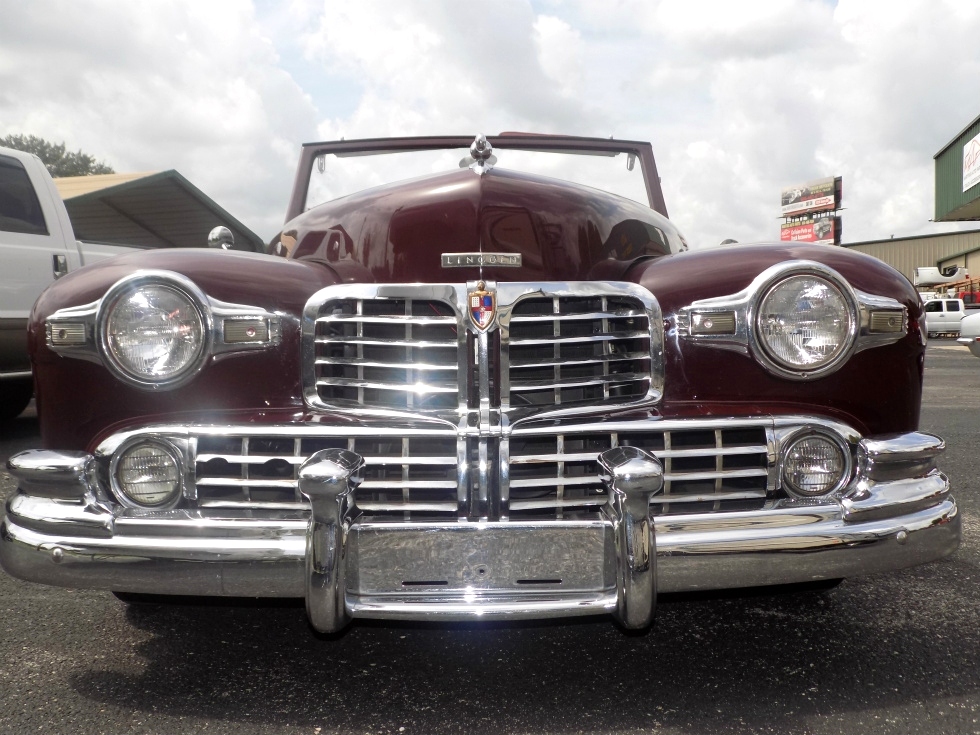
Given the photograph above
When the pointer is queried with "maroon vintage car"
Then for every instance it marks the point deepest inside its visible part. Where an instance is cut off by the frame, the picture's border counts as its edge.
(484, 391)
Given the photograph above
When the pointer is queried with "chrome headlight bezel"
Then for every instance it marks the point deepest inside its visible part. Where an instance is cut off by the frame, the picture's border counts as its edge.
(137, 443)
(789, 443)
(761, 346)
(730, 322)
(181, 286)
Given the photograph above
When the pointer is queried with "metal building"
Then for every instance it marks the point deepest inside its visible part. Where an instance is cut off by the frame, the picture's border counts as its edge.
(944, 249)
(149, 210)
(957, 200)
(958, 176)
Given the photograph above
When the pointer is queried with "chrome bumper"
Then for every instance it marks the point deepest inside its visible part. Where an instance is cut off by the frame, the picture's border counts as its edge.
(897, 513)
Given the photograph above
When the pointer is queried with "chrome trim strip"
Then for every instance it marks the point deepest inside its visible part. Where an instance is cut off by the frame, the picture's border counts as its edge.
(16, 375)
(871, 501)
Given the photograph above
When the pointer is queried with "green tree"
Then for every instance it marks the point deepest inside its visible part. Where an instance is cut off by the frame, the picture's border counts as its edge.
(59, 160)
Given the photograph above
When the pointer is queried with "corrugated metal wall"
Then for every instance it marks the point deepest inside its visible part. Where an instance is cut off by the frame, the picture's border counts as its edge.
(909, 253)
(949, 175)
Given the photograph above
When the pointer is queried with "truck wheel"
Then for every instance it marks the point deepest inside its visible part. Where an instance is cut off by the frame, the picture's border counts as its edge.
(14, 397)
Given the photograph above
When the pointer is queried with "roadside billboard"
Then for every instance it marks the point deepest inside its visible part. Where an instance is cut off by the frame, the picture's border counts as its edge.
(820, 230)
(822, 195)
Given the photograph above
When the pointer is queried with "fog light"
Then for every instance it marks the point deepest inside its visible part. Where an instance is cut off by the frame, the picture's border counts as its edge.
(814, 465)
(147, 475)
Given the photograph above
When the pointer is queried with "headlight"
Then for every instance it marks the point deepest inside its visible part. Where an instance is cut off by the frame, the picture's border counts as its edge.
(814, 465)
(805, 324)
(146, 475)
(153, 332)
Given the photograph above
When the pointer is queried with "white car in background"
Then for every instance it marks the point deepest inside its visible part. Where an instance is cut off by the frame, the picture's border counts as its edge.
(970, 332)
(943, 316)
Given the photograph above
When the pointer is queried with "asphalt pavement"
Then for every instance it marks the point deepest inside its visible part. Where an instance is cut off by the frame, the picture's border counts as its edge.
(896, 653)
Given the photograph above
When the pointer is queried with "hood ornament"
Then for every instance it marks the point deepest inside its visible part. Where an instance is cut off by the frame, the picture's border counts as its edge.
(482, 305)
(481, 158)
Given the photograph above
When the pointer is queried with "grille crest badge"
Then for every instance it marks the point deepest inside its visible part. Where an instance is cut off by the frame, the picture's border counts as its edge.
(482, 306)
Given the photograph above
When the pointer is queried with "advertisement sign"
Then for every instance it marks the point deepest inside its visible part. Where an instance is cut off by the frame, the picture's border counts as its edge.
(971, 163)
(816, 196)
(820, 230)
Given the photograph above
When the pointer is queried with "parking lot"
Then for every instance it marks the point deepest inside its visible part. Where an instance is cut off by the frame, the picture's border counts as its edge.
(891, 654)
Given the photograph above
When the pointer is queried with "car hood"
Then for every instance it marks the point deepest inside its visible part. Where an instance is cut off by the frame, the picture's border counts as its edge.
(400, 232)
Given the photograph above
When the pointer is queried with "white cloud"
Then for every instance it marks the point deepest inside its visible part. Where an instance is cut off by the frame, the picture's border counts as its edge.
(454, 68)
(558, 46)
(185, 85)
(739, 99)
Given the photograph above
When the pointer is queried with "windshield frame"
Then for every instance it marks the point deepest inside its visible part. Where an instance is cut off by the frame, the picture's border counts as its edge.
(514, 141)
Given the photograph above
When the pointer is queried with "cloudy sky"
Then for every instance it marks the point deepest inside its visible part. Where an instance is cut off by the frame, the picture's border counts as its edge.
(739, 99)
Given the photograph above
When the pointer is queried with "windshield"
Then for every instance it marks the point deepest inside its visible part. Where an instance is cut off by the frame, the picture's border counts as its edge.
(337, 175)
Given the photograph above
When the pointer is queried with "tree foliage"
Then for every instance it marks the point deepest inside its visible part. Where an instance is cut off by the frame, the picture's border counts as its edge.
(58, 159)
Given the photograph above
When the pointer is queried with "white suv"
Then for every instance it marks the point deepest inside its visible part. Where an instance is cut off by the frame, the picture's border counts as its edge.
(943, 316)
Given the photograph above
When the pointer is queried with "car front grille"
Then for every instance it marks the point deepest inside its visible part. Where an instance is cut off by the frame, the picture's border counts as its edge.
(398, 353)
(415, 349)
(542, 473)
(578, 351)
(705, 469)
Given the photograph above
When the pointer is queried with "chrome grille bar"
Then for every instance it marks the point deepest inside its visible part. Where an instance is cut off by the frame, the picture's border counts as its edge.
(607, 337)
(420, 344)
(572, 362)
(609, 379)
(393, 318)
(620, 314)
(353, 361)
(403, 387)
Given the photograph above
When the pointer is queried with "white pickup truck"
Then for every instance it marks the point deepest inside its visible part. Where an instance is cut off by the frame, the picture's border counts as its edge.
(943, 316)
(37, 245)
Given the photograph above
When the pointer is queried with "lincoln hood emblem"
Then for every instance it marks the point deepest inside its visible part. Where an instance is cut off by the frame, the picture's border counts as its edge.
(482, 306)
